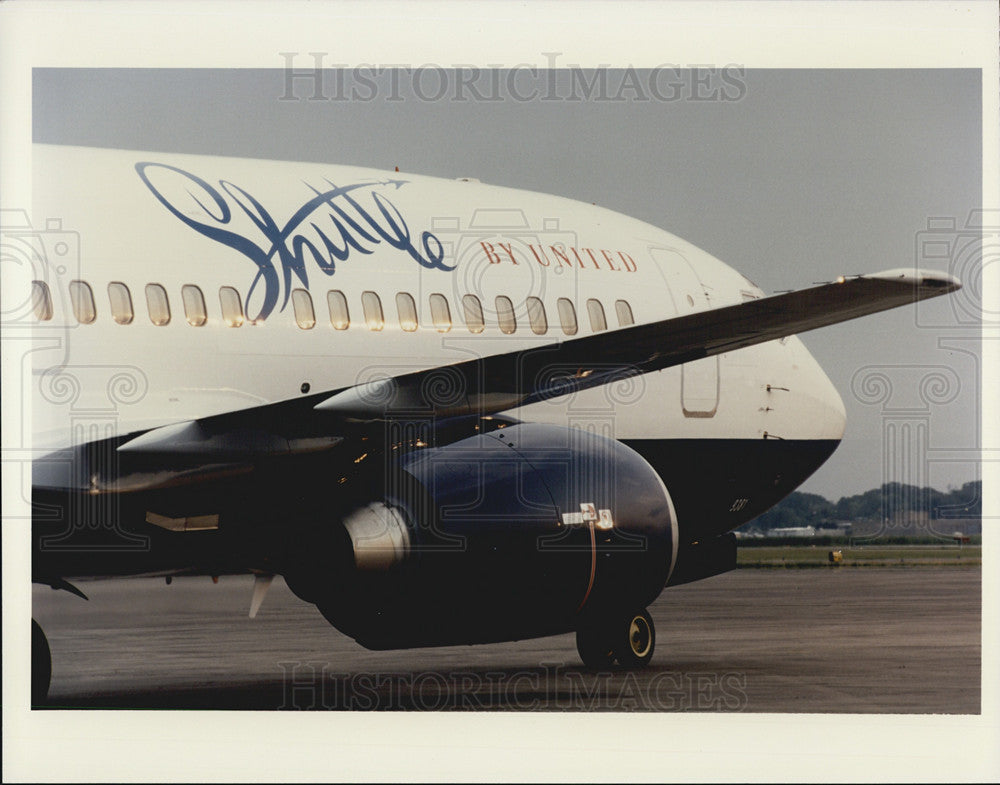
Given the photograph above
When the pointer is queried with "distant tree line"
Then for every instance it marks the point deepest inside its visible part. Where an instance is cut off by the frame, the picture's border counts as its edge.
(887, 502)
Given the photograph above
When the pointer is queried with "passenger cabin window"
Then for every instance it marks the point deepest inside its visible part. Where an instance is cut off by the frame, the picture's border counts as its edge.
(158, 304)
(121, 302)
(372, 306)
(406, 308)
(302, 304)
(339, 316)
(440, 313)
(505, 315)
(536, 316)
(624, 311)
(232, 306)
(194, 305)
(567, 316)
(596, 312)
(41, 301)
(473, 311)
(82, 298)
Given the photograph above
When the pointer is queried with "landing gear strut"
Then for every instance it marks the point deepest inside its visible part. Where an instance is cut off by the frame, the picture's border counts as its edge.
(627, 640)
(41, 665)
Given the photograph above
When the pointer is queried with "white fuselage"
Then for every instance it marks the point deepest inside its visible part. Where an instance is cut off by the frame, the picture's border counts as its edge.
(484, 241)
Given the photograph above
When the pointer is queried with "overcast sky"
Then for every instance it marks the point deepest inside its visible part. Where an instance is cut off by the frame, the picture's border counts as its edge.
(790, 176)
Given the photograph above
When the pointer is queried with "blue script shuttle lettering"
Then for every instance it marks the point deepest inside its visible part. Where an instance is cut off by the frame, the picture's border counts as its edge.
(347, 227)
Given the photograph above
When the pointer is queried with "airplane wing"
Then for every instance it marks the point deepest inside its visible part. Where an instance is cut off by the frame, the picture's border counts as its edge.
(495, 383)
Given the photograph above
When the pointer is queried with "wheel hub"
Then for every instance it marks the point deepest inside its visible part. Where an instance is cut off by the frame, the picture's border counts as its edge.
(639, 636)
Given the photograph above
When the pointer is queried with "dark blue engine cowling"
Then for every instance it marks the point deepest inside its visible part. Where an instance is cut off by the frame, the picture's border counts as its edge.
(517, 533)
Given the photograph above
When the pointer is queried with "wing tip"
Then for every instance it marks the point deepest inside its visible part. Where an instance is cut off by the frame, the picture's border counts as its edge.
(934, 280)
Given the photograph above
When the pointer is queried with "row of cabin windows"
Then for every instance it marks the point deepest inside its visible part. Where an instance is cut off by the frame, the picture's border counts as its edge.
(196, 313)
(440, 313)
(123, 312)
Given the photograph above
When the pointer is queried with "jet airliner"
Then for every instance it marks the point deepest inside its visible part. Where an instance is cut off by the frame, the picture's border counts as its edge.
(444, 412)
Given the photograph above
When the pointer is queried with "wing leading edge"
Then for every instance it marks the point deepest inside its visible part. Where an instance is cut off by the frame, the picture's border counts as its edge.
(492, 384)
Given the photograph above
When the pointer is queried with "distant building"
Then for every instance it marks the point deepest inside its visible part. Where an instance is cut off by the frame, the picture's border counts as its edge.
(834, 529)
(793, 531)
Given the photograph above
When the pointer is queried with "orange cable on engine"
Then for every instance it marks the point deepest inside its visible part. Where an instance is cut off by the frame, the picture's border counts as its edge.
(593, 567)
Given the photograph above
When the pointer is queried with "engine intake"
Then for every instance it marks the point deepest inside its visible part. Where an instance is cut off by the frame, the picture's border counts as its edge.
(379, 536)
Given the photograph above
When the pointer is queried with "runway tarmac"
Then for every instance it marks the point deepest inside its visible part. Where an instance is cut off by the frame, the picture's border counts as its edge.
(895, 640)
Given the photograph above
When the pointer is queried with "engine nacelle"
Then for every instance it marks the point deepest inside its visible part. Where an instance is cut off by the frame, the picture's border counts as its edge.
(517, 533)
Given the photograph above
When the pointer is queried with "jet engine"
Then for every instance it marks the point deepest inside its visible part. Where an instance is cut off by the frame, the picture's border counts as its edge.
(525, 531)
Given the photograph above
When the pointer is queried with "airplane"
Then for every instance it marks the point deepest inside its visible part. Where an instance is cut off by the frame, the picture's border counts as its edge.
(444, 412)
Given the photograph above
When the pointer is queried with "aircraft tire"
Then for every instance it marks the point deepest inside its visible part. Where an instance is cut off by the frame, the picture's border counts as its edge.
(595, 646)
(41, 665)
(627, 640)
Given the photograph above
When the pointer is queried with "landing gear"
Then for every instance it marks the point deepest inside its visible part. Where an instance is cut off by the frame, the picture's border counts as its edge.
(627, 640)
(41, 665)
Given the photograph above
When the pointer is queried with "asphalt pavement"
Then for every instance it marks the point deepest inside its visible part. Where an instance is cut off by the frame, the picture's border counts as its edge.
(857, 640)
